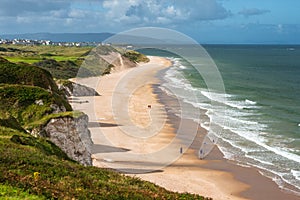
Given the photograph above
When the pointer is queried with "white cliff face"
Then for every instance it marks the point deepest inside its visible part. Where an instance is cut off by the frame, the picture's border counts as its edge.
(77, 90)
(81, 90)
(118, 61)
(72, 136)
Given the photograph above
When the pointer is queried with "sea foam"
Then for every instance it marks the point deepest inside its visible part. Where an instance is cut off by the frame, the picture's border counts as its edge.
(244, 136)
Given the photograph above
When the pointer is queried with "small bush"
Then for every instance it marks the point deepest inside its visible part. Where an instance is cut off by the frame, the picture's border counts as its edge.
(136, 57)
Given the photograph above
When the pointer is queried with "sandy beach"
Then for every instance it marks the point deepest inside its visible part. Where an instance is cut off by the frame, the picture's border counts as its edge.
(133, 133)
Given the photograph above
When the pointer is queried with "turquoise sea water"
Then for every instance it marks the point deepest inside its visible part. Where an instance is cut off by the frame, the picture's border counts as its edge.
(262, 107)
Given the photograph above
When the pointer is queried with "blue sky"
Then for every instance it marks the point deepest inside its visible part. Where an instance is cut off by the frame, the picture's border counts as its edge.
(207, 21)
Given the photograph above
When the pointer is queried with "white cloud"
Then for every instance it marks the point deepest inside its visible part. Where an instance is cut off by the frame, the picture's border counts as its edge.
(77, 13)
(154, 11)
(171, 10)
(23, 7)
(206, 10)
(253, 11)
(110, 14)
(59, 13)
(163, 20)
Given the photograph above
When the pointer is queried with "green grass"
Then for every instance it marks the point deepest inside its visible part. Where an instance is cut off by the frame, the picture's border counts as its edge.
(7, 120)
(44, 120)
(61, 62)
(60, 69)
(29, 60)
(135, 56)
(65, 58)
(67, 62)
(47, 50)
(20, 102)
(8, 192)
(28, 170)
(11, 73)
(34, 54)
(21, 85)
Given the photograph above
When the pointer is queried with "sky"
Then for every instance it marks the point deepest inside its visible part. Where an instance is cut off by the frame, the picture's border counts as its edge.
(206, 21)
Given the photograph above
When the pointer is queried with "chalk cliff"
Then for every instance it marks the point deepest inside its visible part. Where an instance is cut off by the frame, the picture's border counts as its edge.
(69, 88)
(71, 135)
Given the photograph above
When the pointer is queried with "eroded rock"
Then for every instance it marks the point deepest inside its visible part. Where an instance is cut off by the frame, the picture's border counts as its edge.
(71, 135)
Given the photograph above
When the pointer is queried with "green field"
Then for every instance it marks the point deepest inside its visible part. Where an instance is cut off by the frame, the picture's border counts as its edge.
(35, 59)
(33, 54)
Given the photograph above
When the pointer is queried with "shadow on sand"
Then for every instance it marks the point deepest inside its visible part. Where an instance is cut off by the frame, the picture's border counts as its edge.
(98, 148)
(101, 124)
(137, 171)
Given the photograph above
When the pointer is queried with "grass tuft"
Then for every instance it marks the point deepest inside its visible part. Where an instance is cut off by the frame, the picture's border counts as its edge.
(135, 56)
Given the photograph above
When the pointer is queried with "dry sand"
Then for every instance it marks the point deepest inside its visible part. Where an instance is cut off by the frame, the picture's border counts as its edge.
(141, 141)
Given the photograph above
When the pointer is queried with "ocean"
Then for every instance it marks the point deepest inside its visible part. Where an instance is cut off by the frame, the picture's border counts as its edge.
(255, 118)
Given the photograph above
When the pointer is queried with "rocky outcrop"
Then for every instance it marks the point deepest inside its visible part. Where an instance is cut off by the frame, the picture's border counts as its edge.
(57, 109)
(118, 61)
(81, 90)
(31, 102)
(70, 88)
(71, 135)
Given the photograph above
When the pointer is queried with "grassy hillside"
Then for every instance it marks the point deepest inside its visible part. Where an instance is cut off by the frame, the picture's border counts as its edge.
(61, 62)
(135, 56)
(60, 69)
(66, 62)
(27, 93)
(32, 54)
(28, 103)
(34, 168)
(25, 74)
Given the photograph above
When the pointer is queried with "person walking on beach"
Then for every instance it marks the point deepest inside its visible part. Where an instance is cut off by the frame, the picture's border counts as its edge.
(201, 156)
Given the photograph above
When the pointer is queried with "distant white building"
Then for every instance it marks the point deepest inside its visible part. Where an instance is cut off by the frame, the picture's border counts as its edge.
(129, 47)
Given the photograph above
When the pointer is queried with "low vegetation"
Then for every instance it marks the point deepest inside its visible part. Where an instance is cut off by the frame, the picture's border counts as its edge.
(32, 54)
(67, 62)
(34, 168)
(29, 103)
(60, 69)
(25, 74)
(135, 56)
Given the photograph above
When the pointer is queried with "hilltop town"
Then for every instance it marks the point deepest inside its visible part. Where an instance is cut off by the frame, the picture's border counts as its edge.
(30, 42)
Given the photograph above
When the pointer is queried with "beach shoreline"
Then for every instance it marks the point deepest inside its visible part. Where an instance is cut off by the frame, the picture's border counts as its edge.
(259, 185)
(213, 176)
